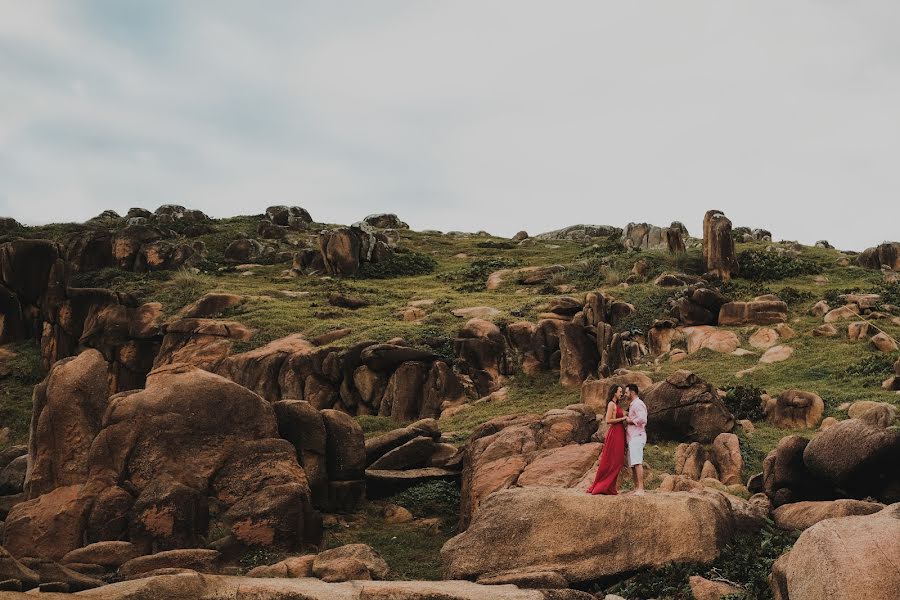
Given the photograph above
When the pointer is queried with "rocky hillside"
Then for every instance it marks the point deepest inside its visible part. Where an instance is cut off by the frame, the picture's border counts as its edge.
(191, 407)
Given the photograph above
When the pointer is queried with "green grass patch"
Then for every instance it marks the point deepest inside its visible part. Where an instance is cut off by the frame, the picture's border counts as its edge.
(23, 361)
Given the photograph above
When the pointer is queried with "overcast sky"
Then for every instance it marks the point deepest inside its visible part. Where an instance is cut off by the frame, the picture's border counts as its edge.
(488, 114)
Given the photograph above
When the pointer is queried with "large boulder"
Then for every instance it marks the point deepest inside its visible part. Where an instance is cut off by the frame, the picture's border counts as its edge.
(578, 355)
(548, 528)
(67, 412)
(482, 349)
(756, 312)
(162, 456)
(595, 392)
(684, 407)
(848, 558)
(500, 451)
(385, 221)
(794, 409)
(718, 245)
(886, 254)
(294, 217)
(859, 456)
(803, 515)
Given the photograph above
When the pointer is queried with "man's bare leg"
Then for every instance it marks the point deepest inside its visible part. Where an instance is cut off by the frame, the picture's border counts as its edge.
(638, 472)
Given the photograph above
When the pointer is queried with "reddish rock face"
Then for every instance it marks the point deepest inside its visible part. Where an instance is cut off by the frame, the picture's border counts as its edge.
(156, 461)
(757, 312)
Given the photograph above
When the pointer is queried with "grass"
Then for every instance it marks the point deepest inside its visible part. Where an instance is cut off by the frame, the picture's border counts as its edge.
(24, 363)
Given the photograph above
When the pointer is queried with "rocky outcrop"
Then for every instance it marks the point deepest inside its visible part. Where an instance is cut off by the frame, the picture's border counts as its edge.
(756, 312)
(698, 305)
(548, 527)
(644, 236)
(886, 254)
(385, 221)
(718, 246)
(579, 232)
(292, 217)
(344, 249)
(158, 459)
(527, 450)
(846, 558)
(684, 407)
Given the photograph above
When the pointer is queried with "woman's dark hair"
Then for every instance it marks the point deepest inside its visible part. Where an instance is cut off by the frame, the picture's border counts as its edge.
(633, 387)
(612, 392)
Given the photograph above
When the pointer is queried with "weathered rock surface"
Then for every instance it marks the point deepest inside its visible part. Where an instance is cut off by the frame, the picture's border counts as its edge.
(803, 515)
(683, 406)
(794, 409)
(718, 245)
(757, 312)
(548, 525)
(848, 558)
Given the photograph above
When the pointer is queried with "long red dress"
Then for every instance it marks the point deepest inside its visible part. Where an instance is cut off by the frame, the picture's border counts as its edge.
(612, 458)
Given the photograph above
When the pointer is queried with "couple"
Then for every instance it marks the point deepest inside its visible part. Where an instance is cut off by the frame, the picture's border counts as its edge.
(612, 457)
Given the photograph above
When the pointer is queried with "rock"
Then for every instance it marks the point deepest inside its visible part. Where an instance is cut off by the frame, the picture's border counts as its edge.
(859, 330)
(547, 521)
(12, 477)
(660, 336)
(785, 331)
(826, 330)
(476, 312)
(704, 589)
(794, 409)
(345, 446)
(757, 312)
(196, 559)
(859, 456)
(380, 484)
(726, 453)
(68, 407)
(394, 514)
(413, 454)
(685, 407)
(690, 460)
(482, 349)
(293, 567)
(352, 561)
(764, 337)
(803, 515)
(411, 314)
(110, 554)
(385, 221)
(843, 313)
(827, 422)
(378, 446)
(886, 254)
(776, 354)
(818, 565)
(244, 250)
(11, 569)
(718, 245)
(712, 338)
(499, 451)
(594, 392)
(388, 357)
(884, 343)
(860, 407)
(294, 217)
(578, 355)
(210, 305)
(53, 573)
(522, 235)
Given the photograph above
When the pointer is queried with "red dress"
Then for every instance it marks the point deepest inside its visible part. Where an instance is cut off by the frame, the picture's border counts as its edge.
(612, 459)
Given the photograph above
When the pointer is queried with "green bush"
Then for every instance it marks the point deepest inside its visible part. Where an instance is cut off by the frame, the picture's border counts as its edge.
(792, 296)
(400, 264)
(496, 245)
(743, 402)
(433, 498)
(746, 561)
(473, 276)
(890, 293)
(647, 309)
(872, 370)
(738, 290)
(757, 265)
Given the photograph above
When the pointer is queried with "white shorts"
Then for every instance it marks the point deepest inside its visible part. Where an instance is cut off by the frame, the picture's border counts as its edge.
(636, 451)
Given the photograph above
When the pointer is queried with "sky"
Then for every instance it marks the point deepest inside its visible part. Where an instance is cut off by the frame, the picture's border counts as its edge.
(499, 115)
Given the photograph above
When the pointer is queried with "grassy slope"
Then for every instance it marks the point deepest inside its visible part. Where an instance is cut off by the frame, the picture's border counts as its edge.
(818, 364)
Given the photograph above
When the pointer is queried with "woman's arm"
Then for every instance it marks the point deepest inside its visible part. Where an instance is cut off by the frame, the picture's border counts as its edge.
(611, 414)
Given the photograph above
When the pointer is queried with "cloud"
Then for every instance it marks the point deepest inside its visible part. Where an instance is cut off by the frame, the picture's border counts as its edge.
(500, 116)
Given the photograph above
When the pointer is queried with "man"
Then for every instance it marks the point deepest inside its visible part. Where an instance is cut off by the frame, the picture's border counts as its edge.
(636, 436)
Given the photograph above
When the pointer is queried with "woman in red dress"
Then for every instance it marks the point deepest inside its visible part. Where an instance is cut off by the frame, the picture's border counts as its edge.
(612, 457)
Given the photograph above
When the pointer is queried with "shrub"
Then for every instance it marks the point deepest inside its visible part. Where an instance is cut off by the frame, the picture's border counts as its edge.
(400, 264)
(872, 369)
(496, 245)
(740, 290)
(793, 296)
(743, 402)
(473, 276)
(433, 498)
(890, 293)
(756, 265)
(647, 309)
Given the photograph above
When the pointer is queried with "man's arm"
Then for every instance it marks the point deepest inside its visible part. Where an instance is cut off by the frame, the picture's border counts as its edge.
(640, 416)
